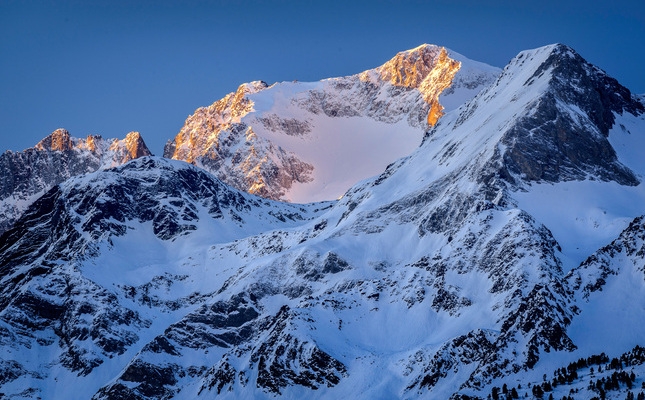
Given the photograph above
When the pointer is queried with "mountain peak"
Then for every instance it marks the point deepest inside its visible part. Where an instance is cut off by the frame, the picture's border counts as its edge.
(424, 52)
(423, 48)
(129, 148)
(135, 146)
(57, 157)
(559, 48)
(409, 68)
(59, 140)
(115, 280)
(573, 80)
(554, 110)
(253, 87)
(291, 140)
(427, 68)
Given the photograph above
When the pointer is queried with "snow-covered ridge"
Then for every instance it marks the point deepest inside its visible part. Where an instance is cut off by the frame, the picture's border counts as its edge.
(28, 174)
(311, 141)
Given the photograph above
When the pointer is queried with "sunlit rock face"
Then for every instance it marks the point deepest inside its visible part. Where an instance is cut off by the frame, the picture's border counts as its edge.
(133, 145)
(26, 175)
(59, 140)
(215, 138)
(109, 152)
(303, 142)
(426, 68)
(201, 131)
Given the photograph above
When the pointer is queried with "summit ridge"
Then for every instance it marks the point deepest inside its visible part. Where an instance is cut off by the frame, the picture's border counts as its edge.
(305, 142)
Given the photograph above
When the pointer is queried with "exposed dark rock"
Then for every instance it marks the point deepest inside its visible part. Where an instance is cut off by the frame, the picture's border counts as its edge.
(154, 382)
(219, 376)
(564, 137)
(25, 175)
(284, 360)
(470, 348)
(593, 273)
(275, 297)
(313, 268)
(10, 370)
(221, 324)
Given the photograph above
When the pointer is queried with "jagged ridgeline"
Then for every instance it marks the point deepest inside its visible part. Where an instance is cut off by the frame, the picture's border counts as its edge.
(28, 174)
(501, 258)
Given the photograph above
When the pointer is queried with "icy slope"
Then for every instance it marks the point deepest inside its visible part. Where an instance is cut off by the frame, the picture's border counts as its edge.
(588, 213)
(26, 175)
(557, 131)
(311, 141)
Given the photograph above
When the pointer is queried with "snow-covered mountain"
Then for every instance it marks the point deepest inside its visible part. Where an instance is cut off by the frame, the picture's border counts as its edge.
(505, 251)
(27, 175)
(311, 141)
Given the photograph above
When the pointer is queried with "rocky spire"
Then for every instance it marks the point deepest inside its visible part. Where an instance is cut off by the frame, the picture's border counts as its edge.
(59, 140)
(135, 146)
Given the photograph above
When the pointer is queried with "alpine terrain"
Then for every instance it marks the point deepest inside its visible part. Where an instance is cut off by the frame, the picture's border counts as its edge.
(501, 258)
(27, 175)
(312, 141)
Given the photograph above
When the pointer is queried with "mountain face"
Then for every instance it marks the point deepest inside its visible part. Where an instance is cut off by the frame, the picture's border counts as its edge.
(556, 123)
(26, 175)
(57, 312)
(509, 244)
(301, 141)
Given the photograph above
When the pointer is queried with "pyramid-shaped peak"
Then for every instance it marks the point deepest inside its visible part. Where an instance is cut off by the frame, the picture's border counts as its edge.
(547, 50)
(573, 80)
(558, 120)
(136, 146)
(559, 48)
(423, 49)
(562, 62)
(555, 48)
(130, 148)
(427, 68)
(543, 58)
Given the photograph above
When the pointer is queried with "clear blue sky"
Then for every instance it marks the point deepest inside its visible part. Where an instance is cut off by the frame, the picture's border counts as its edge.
(110, 67)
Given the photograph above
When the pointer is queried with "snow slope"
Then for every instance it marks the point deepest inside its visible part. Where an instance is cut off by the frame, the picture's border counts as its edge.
(306, 142)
